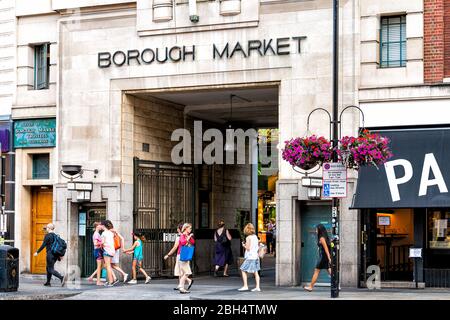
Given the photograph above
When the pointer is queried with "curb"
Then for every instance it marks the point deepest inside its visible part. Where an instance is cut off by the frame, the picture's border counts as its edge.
(56, 296)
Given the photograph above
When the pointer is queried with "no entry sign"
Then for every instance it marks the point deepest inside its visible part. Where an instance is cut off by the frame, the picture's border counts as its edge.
(334, 180)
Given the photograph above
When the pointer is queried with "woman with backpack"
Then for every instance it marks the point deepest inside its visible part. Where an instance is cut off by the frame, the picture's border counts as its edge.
(49, 241)
(223, 255)
(324, 261)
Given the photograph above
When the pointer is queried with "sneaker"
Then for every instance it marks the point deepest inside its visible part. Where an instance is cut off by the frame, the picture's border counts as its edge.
(133, 281)
(125, 278)
(107, 284)
(47, 284)
(115, 281)
(148, 280)
(243, 289)
(256, 290)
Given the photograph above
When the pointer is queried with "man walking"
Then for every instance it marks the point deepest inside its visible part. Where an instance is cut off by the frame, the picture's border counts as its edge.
(51, 259)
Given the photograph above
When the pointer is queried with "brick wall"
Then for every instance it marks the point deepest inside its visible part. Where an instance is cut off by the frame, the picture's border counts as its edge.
(434, 40)
(447, 38)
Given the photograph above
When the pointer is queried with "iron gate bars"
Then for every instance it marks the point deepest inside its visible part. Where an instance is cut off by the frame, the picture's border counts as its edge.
(163, 198)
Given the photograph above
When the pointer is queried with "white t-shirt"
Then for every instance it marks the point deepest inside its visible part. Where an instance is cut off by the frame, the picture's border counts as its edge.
(108, 242)
(252, 254)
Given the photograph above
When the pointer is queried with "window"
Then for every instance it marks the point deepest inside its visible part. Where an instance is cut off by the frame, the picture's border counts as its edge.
(41, 66)
(439, 229)
(393, 41)
(41, 166)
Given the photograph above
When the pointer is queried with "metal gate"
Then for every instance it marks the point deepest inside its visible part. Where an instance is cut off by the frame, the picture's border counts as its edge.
(163, 198)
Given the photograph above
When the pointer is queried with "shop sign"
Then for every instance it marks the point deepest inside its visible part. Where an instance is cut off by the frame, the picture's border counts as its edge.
(4, 139)
(179, 53)
(418, 176)
(384, 221)
(80, 186)
(334, 180)
(415, 252)
(169, 237)
(35, 133)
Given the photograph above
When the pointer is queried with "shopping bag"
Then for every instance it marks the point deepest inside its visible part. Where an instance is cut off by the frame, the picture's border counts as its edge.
(186, 253)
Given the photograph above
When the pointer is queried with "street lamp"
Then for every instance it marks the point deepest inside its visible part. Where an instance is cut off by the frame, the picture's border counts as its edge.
(72, 172)
(335, 120)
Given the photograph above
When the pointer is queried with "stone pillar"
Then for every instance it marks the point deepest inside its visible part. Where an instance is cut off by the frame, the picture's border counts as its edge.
(349, 239)
(288, 234)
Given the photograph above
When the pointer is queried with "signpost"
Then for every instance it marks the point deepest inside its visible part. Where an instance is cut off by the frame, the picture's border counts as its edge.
(416, 254)
(334, 181)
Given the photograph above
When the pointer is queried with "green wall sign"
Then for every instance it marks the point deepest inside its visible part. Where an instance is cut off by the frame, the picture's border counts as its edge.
(35, 133)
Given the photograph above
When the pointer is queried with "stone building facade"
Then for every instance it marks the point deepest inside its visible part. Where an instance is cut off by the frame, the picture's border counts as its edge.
(122, 75)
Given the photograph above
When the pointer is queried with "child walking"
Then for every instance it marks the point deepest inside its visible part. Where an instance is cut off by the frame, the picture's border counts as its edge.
(138, 257)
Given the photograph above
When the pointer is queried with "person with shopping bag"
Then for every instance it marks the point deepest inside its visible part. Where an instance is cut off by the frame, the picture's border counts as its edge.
(186, 252)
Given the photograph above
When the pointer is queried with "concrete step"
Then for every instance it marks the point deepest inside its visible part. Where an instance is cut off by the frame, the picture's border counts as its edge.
(401, 285)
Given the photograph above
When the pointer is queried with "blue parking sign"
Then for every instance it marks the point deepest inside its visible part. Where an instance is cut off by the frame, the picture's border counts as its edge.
(326, 190)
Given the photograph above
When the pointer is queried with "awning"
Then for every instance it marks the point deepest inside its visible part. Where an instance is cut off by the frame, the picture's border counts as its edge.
(417, 176)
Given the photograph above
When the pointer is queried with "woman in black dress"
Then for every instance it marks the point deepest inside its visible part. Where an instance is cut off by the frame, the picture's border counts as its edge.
(324, 261)
(224, 256)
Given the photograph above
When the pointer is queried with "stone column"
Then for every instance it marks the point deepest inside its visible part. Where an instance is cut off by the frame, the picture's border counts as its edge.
(287, 243)
(349, 223)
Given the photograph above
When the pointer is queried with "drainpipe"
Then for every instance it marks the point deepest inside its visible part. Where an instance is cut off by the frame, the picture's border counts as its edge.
(193, 14)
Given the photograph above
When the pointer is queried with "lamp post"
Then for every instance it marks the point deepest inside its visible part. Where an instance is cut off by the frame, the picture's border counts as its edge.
(335, 141)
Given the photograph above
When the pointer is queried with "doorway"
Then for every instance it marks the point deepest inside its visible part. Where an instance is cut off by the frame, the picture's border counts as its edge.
(41, 215)
(313, 213)
(92, 213)
(387, 236)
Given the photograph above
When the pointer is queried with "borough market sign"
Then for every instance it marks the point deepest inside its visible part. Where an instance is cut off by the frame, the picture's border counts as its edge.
(277, 47)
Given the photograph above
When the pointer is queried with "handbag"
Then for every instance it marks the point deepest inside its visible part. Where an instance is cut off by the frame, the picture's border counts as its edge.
(262, 250)
(187, 253)
(117, 241)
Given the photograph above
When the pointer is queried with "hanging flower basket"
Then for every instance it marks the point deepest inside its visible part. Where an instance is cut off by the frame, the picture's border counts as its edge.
(306, 153)
(365, 150)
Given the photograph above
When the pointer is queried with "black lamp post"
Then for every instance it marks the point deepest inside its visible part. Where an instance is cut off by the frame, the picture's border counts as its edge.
(335, 131)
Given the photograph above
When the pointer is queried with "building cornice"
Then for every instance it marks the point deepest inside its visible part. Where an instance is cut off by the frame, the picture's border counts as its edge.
(405, 93)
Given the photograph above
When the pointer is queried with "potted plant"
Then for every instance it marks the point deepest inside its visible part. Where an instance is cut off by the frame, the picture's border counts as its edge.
(308, 152)
(365, 150)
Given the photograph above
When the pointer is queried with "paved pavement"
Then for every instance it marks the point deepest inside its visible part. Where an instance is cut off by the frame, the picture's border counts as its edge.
(207, 288)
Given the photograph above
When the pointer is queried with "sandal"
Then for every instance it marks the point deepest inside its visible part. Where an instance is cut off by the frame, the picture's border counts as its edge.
(190, 284)
(226, 275)
(309, 289)
(183, 291)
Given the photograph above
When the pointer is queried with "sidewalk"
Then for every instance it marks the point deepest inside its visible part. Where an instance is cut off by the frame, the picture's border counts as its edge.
(208, 288)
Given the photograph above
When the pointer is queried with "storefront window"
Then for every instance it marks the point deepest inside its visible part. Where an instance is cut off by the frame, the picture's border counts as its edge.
(439, 229)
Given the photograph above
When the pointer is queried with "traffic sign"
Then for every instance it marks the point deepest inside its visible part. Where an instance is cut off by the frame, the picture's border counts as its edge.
(334, 179)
